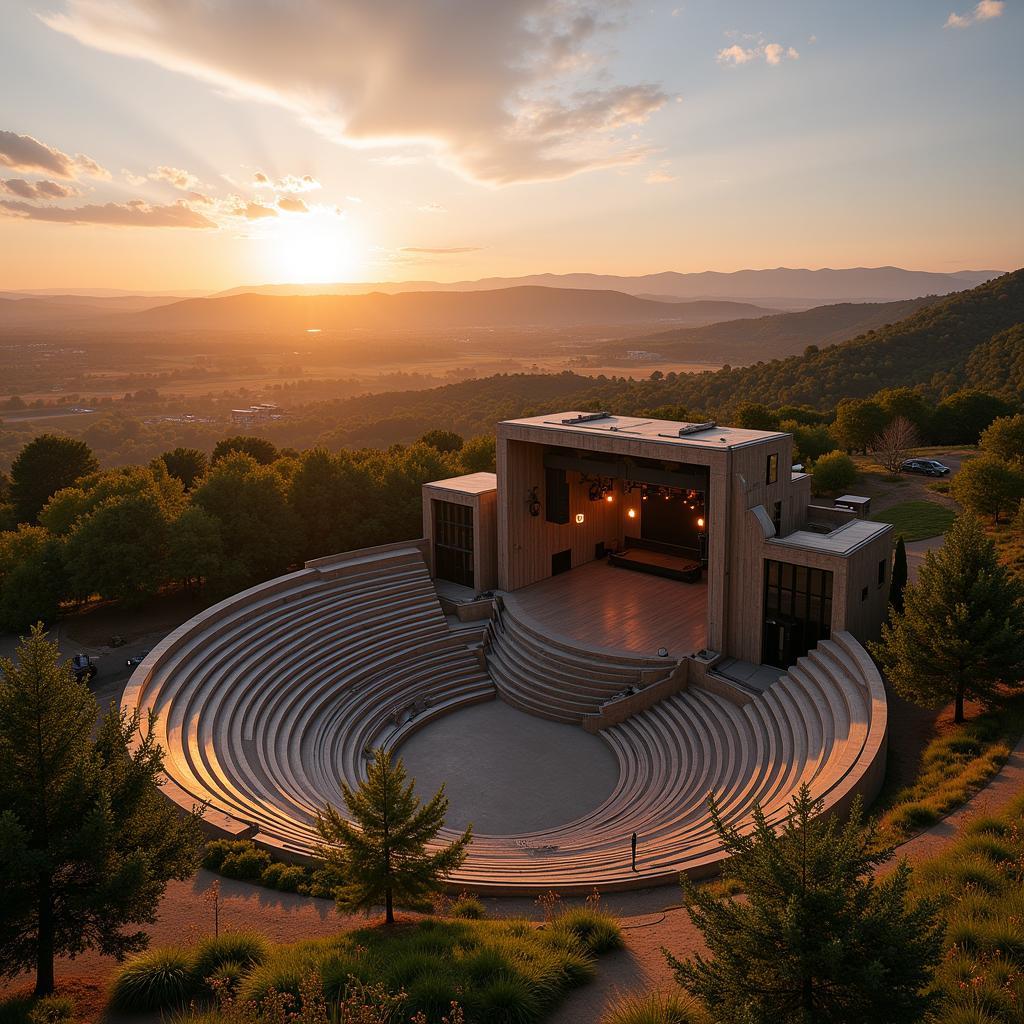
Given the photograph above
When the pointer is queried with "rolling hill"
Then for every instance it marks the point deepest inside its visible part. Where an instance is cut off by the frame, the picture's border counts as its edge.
(781, 287)
(506, 307)
(972, 339)
(769, 337)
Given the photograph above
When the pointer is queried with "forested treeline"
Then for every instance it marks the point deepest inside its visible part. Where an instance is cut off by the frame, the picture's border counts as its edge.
(246, 513)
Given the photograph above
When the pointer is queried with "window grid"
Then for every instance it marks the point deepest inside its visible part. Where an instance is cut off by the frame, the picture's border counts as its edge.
(803, 594)
(453, 542)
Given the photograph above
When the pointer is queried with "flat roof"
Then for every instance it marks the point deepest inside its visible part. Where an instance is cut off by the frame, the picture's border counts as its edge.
(695, 435)
(470, 483)
(841, 541)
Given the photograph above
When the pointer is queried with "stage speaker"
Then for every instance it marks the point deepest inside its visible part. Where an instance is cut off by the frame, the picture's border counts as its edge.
(556, 496)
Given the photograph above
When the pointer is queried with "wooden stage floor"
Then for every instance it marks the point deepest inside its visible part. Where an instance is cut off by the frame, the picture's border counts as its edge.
(598, 605)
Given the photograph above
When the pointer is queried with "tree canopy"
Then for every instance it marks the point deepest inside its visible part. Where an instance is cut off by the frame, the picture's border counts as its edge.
(87, 841)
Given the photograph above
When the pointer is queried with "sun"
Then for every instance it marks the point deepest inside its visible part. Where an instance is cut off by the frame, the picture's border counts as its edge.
(310, 249)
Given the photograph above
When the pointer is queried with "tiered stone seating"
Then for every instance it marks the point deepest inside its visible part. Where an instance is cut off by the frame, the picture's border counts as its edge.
(544, 676)
(268, 700)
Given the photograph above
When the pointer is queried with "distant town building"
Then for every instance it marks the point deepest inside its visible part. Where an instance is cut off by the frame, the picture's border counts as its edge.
(256, 414)
(640, 353)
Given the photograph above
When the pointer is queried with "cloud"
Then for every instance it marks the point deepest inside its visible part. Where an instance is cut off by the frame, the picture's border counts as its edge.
(37, 189)
(27, 154)
(984, 10)
(500, 92)
(773, 53)
(238, 207)
(176, 177)
(660, 176)
(292, 204)
(289, 183)
(134, 213)
(432, 208)
(132, 178)
(427, 251)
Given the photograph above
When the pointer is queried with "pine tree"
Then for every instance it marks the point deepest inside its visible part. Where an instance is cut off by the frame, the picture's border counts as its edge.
(384, 856)
(898, 583)
(87, 841)
(816, 939)
(961, 632)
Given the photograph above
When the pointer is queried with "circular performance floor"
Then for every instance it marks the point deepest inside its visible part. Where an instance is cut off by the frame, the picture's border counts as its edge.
(506, 772)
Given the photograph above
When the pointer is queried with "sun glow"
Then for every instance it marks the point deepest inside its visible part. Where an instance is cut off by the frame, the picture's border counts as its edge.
(310, 249)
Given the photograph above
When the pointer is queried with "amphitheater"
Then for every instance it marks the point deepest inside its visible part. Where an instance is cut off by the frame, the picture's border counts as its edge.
(268, 700)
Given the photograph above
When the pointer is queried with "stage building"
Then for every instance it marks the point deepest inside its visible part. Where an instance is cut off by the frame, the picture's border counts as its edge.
(647, 535)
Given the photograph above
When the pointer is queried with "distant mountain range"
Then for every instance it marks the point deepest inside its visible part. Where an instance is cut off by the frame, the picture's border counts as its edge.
(412, 311)
(769, 337)
(789, 288)
(18, 310)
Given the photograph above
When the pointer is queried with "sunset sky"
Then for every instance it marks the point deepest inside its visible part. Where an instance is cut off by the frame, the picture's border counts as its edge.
(202, 144)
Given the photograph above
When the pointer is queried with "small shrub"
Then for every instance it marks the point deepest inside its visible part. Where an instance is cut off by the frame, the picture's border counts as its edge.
(597, 931)
(160, 979)
(247, 865)
(282, 973)
(468, 907)
(218, 850)
(833, 472)
(247, 949)
(283, 877)
(226, 978)
(655, 1008)
(508, 999)
(52, 1010)
(15, 1009)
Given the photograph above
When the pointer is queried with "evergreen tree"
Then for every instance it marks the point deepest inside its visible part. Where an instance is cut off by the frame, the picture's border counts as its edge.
(816, 939)
(384, 857)
(87, 841)
(898, 582)
(961, 632)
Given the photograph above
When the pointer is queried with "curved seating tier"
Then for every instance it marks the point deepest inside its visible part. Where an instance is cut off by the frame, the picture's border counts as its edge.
(268, 700)
(544, 676)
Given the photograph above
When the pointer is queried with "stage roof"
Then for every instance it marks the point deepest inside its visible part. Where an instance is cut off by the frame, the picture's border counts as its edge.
(695, 435)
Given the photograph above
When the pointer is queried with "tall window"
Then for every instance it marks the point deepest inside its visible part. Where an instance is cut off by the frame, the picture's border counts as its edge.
(453, 542)
(797, 610)
(772, 471)
(777, 518)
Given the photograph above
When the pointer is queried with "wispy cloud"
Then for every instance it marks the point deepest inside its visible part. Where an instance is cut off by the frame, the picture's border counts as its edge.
(770, 53)
(432, 208)
(28, 155)
(505, 92)
(134, 213)
(984, 10)
(37, 189)
(440, 251)
(176, 178)
(289, 183)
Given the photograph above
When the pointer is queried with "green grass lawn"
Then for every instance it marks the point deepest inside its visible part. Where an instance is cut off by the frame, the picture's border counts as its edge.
(917, 520)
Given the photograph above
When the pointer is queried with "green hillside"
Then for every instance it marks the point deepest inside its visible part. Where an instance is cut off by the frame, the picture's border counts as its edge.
(972, 339)
(771, 337)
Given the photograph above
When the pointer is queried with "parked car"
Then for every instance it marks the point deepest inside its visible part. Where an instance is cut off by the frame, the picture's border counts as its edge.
(927, 467)
(136, 659)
